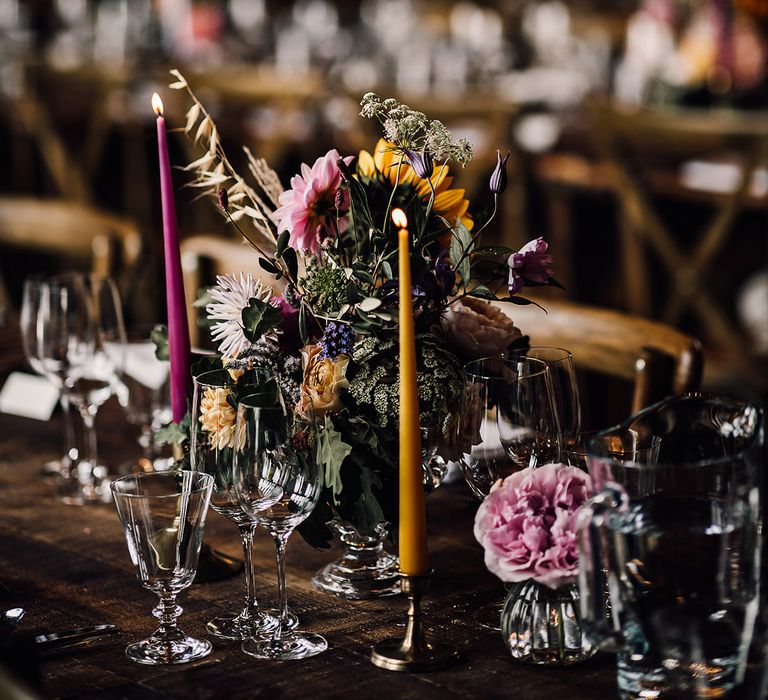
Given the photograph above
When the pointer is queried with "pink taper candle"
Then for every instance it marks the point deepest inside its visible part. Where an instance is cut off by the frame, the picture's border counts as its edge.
(178, 331)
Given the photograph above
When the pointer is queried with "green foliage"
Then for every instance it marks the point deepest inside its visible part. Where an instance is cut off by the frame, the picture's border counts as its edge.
(174, 433)
(159, 336)
(325, 287)
(259, 317)
(375, 390)
(332, 451)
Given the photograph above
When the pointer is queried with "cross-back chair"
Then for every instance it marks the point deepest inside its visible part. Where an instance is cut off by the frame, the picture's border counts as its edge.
(78, 234)
(205, 256)
(655, 359)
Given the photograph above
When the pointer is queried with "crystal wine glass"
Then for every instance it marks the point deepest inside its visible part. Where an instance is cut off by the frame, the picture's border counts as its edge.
(508, 422)
(565, 388)
(35, 288)
(214, 414)
(163, 516)
(283, 450)
(82, 337)
(147, 380)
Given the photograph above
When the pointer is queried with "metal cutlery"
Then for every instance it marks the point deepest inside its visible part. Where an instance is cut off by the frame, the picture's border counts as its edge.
(10, 620)
(49, 644)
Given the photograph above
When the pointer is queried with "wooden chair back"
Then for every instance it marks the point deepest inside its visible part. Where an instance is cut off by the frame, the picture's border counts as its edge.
(628, 139)
(88, 237)
(654, 358)
(205, 256)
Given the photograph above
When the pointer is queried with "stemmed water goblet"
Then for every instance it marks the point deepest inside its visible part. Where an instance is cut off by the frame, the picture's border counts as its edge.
(81, 336)
(508, 422)
(163, 516)
(565, 388)
(35, 288)
(148, 400)
(281, 459)
(212, 443)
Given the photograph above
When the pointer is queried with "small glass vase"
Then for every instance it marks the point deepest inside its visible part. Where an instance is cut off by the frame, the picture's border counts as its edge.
(541, 625)
(365, 569)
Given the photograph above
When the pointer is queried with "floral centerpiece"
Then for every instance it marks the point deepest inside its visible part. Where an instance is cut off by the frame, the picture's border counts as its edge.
(321, 313)
(527, 527)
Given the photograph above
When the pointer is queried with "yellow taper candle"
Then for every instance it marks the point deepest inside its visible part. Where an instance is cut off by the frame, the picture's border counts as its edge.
(414, 558)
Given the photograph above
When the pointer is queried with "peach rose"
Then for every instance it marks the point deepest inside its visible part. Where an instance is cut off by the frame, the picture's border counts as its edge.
(323, 382)
(478, 328)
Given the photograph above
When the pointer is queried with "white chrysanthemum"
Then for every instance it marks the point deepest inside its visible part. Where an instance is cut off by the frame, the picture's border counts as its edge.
(231, 295)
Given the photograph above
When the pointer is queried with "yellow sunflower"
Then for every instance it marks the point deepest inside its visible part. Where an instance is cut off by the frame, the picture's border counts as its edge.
(449, 203)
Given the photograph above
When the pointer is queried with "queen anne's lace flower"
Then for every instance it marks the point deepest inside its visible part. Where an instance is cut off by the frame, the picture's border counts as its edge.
(230, 296)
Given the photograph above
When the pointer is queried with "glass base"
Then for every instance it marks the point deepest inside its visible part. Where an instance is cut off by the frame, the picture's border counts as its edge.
(85, 486)
(156, 652)
(238, 628)
(286, 648)
(354, 579)
(364, 570)
(489, 616)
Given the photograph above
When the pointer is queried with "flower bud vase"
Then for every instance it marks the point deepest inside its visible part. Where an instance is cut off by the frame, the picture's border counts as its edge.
(365, 569)
(541, 625)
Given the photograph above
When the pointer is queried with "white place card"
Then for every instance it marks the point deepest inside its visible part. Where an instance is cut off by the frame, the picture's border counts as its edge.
(142, 365)
(29, 396)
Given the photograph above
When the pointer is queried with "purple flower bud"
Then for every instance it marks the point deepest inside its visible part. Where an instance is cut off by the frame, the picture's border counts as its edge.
(421, 162)
(499, 176)
(339, 200)
(223, 198)
(531, 263)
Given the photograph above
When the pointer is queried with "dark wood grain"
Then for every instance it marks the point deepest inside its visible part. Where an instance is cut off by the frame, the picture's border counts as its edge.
(69, 567)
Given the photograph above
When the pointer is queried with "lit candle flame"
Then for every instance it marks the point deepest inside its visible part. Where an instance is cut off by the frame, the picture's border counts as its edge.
(157, 105)
(399, 218)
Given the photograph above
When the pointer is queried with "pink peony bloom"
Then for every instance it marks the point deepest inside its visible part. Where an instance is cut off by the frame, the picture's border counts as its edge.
(310, 208)
(527, 524)
(531, 262)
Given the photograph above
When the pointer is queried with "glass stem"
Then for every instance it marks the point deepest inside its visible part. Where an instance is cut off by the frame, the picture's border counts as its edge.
(167, 612)
(89, 417)
(247, 533)
(281, 540)
(71, 451)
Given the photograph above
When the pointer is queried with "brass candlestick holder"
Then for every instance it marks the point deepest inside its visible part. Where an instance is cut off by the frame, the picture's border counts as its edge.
(413, 653)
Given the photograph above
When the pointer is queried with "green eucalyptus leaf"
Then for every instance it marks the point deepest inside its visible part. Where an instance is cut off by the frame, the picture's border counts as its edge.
(461, 243)
(332, 451)
(282, 243)
(369, 304)
(159, 336)
(268, 266)
(259, 317)
(482, 292)
(291, 262)
(303, 324)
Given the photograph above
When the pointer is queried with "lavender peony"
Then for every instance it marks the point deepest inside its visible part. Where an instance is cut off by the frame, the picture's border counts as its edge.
(527, 524)
(531, 263)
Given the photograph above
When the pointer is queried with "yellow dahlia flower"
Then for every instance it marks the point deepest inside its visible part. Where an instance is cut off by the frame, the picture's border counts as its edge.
(449, 203)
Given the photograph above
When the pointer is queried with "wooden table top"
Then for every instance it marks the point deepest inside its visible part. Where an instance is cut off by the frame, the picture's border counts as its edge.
(69, 567)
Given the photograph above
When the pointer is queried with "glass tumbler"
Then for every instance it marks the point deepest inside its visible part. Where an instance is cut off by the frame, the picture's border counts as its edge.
(675, 542)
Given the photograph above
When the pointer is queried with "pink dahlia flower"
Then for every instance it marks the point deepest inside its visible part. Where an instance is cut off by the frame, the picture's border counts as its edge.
(527, 524)
(309, 210)
(532, 263)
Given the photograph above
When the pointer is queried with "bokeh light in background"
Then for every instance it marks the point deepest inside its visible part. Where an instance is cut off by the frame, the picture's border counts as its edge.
(286, 79)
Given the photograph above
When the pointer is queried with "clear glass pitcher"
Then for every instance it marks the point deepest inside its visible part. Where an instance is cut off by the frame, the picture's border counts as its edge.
(670, 546)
